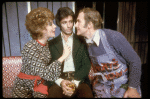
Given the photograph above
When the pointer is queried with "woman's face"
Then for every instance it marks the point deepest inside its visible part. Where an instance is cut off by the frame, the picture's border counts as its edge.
(50, 30)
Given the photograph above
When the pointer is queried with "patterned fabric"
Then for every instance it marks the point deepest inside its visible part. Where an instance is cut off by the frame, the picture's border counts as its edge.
(35, 61)
(111, 72)
(11, 68)
(109, 68)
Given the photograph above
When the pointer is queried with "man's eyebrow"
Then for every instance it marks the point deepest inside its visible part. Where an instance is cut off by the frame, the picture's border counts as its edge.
(64, 21)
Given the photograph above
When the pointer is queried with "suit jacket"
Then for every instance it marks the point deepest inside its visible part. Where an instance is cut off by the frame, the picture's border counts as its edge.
(80, 57)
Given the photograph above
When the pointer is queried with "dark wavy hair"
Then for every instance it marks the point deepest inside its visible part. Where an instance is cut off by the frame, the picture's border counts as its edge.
(37, 20)
(63, 13)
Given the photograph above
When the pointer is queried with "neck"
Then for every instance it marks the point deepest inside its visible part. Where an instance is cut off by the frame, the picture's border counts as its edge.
(42, 41)
(66, 36)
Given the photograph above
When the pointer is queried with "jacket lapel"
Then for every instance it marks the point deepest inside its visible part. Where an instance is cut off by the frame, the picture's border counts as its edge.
(58, 44)
(76, 45)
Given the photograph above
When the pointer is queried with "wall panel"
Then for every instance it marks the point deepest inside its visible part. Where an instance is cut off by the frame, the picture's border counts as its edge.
(24, 34)
(56, 6)
(5, 39)
(42, 4)
(13, 28)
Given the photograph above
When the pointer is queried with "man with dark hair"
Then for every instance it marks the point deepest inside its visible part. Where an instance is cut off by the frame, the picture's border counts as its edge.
(110, 54)
(76, 67)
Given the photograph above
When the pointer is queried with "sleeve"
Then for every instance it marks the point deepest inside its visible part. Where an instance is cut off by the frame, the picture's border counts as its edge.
(123, 47)
(35, 63)
(50, 72)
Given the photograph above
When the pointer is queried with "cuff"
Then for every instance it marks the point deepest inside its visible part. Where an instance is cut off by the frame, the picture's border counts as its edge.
(76, 83)
(58, 81)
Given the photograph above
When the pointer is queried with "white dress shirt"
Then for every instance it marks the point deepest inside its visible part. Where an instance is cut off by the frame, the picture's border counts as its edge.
(68, 63)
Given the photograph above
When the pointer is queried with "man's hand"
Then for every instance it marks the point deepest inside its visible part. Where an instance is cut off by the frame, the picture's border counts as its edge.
(65, 88)
(131, 93)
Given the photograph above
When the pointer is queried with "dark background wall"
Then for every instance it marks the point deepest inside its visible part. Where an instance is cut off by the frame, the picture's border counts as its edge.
(141, 30)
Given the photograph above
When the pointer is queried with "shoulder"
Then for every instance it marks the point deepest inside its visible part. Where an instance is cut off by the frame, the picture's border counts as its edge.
(80, 39)
(32, 44)
(54, 40)
(112, 33)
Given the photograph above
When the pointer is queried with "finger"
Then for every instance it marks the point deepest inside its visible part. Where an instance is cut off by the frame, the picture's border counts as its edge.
(68, 93)
(67, 90)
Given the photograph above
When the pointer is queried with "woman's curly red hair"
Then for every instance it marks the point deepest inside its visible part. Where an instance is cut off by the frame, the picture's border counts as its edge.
(37, 20)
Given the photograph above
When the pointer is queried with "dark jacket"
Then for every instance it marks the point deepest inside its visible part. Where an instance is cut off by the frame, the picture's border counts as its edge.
(80, 57)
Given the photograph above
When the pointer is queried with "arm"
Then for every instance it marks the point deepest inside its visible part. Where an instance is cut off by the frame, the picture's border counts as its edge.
(36, 63)
(123, 47)
(55, 67)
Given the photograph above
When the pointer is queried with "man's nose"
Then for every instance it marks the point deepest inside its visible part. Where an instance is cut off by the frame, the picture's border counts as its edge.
(68, 24)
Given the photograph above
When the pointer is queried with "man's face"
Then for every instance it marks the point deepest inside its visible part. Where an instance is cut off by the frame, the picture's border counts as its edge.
(81, 30)
(67, 25)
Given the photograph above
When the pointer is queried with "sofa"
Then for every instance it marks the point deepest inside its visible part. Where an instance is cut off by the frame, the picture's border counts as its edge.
(11, 68)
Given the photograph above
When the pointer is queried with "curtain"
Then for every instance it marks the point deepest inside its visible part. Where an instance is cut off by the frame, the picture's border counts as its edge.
(126, 20)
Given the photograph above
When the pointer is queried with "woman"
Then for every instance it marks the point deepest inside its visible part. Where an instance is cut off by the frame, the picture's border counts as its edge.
(36, 56)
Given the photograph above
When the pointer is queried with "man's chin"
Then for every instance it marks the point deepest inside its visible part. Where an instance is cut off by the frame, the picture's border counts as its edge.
(69, 33)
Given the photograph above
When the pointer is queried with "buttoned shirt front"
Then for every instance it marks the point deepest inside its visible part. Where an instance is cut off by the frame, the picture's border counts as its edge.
(68, 63)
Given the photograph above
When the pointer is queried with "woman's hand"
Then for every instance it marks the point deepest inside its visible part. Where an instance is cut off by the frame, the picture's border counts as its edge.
(66, 53)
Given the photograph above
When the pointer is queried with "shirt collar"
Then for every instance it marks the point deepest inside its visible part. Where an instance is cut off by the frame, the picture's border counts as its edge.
(95, 39)
(62, 36)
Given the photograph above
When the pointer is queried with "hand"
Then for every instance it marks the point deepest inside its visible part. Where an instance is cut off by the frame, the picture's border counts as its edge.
(65, 88)
(131, 93)
(66, 53)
